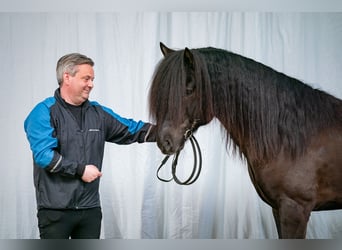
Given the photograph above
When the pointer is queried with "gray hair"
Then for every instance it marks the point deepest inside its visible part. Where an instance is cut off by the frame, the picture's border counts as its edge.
(69, 63)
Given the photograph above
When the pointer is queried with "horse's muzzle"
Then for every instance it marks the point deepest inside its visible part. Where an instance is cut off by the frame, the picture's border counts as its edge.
(168, 146)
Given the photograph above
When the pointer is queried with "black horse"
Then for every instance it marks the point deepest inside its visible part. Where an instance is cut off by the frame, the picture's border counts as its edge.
(289, 133)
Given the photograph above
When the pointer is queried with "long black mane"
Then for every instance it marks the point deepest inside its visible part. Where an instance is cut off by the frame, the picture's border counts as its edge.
(263, 111)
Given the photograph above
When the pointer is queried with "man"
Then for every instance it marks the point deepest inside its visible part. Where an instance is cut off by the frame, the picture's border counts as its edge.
(67, 134)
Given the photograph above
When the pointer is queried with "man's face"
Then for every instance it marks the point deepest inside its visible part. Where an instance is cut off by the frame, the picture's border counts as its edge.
(79, 86)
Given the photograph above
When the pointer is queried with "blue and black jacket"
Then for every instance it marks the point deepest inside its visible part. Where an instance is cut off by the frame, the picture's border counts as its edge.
(61, 148)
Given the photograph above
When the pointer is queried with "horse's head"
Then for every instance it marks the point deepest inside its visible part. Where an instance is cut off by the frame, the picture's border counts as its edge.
(180, 97)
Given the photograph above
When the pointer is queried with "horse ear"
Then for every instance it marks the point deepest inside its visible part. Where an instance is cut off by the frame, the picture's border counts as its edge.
(188, 58)
(165, 50)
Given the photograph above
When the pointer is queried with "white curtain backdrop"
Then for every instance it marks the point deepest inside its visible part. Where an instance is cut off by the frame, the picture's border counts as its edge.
(222, 204)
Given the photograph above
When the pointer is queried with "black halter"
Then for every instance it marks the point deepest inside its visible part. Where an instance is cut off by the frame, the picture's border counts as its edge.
(196, 170)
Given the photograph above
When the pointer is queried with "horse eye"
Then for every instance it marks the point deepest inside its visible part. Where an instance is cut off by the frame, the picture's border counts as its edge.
(190, 86)
(189, 91)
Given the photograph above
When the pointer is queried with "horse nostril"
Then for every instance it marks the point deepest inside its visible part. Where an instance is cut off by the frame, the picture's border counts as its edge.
(166, 144)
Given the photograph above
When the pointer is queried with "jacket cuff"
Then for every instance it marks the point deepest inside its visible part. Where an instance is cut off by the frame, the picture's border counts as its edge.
(151, 134)
(80, 170)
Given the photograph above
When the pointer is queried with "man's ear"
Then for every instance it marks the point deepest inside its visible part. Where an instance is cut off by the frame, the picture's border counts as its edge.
(66, 78)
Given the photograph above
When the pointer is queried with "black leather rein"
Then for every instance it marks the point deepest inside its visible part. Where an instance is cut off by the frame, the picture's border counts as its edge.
(196, 170)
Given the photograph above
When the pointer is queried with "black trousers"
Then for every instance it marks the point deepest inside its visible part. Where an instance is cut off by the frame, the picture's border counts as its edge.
(74, 224)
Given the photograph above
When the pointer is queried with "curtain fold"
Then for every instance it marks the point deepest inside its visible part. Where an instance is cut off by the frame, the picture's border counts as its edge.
(222, 204)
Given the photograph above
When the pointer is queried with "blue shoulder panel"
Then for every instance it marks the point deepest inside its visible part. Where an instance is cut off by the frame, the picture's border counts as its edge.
(133, 126)
(40, 133)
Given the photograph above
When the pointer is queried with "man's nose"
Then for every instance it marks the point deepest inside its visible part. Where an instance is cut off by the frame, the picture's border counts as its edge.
(91, 83)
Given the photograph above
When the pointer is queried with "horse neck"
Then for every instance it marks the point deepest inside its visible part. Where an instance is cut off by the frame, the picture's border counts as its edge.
(265, 111)
(233, 80)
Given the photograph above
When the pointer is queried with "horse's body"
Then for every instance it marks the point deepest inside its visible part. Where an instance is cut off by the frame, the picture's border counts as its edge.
(289, 133)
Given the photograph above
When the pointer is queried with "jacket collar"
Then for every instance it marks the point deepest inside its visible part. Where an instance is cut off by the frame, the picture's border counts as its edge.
(62, 102)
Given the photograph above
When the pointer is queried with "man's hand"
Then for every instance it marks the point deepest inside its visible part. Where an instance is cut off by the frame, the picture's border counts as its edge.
(91, 173)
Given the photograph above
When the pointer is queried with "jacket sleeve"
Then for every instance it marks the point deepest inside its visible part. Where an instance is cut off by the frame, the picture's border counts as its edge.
(122, 130)
(43, 143)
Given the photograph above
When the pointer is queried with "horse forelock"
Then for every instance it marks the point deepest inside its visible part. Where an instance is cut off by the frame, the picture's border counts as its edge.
(167, 88)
